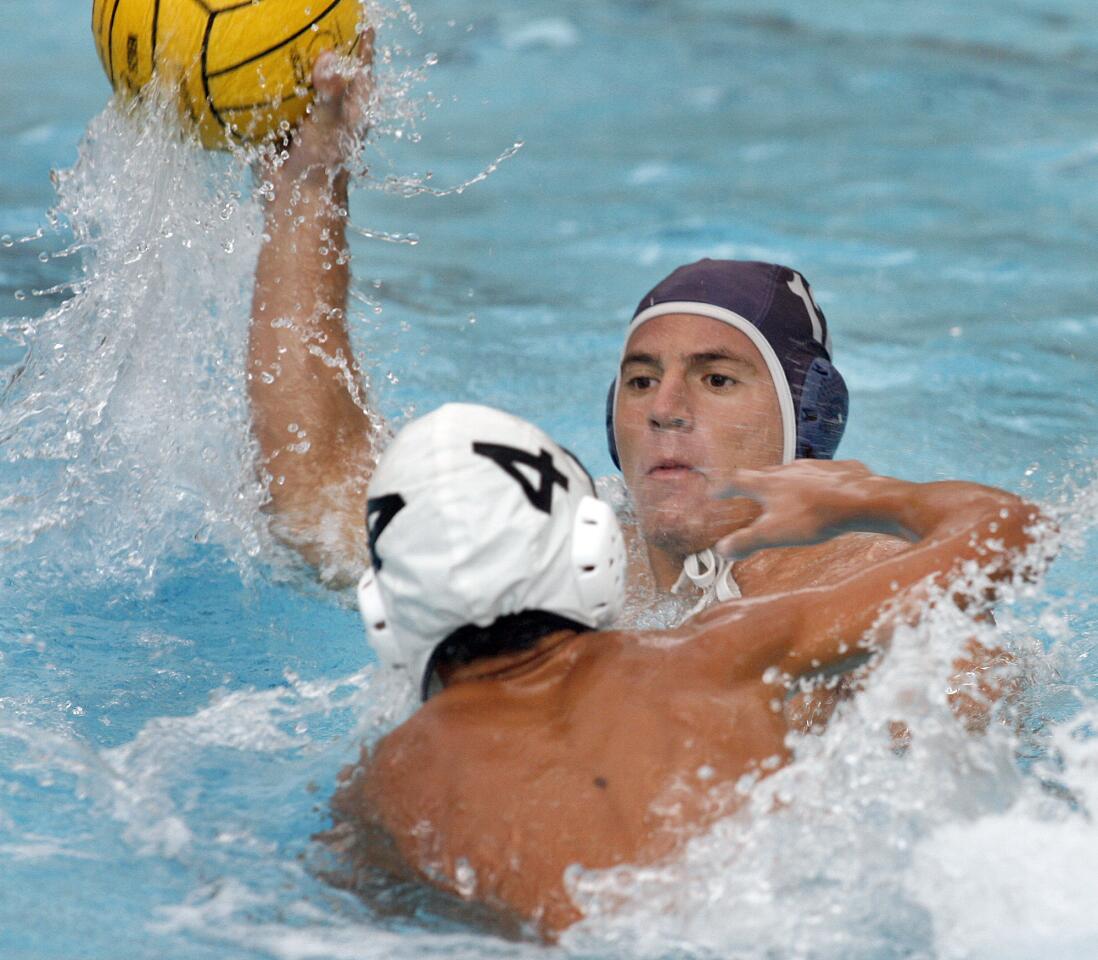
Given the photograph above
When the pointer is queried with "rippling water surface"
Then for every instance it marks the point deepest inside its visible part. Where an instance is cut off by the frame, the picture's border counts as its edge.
(176, 698)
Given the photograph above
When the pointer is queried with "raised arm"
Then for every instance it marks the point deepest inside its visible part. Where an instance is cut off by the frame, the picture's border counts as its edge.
(310, 416)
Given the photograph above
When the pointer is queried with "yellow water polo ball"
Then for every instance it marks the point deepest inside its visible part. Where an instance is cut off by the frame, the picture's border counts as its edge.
(241, 67)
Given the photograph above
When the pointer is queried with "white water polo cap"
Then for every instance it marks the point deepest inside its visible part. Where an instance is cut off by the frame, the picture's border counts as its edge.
(473, 515)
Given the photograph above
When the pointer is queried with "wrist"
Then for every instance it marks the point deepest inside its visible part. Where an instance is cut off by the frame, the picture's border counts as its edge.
(309, 206)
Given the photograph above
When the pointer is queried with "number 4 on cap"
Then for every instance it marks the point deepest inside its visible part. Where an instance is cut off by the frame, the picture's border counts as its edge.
(508, 459)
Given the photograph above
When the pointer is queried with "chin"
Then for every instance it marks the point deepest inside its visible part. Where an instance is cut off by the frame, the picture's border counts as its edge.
(679, 543)
(676, 535)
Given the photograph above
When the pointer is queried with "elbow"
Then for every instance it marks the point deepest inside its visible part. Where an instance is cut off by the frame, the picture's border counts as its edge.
(1034, 536)
(1019, 540)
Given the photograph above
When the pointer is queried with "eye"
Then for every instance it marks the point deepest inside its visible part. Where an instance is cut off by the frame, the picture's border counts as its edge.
(640, 382)
(719, 380)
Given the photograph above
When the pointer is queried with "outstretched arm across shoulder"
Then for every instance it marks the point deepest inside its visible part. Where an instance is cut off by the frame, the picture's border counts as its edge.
(955, 527)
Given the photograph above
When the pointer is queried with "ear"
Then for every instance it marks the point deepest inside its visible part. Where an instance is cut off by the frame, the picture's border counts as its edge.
(598, 560)
(375, 619)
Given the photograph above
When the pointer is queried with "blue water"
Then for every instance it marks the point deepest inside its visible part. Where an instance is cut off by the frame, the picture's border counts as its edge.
(177, 697)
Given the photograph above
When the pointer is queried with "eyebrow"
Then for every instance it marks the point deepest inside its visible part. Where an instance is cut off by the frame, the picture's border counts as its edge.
(644, 358)
(693, 359)
(708, 356)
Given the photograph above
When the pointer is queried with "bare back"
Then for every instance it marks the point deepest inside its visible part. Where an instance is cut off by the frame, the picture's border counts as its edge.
(598, 751)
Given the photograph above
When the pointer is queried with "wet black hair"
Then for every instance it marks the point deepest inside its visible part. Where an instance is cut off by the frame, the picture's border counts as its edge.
(512, 633)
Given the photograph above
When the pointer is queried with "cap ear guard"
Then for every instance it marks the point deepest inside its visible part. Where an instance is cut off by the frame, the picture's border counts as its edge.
(611, 440)
(822, 412)
(376, 621)
(598, 561)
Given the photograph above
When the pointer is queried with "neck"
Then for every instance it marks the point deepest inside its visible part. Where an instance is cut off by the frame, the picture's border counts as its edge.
(505, 665)
(506, 641)
(668, 551)
(666, 566)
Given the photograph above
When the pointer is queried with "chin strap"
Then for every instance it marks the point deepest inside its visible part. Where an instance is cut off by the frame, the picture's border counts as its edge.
(712, 575)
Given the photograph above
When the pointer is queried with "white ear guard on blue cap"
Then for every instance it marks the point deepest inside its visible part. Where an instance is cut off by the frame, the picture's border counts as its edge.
(822, 411)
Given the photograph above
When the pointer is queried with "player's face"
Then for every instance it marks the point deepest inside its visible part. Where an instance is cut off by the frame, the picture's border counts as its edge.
(696, 400)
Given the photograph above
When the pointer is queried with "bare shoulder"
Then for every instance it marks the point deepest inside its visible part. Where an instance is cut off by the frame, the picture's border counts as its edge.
(382, 789)
(824, 564)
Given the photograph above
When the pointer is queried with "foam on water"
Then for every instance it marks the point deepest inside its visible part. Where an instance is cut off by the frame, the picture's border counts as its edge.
(127, 415)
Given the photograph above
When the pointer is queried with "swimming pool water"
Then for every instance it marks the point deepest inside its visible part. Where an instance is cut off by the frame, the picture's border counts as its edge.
(176, 697)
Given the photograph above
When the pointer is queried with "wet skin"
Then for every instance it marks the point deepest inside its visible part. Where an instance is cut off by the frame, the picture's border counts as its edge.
(696, 401)
(609, 748)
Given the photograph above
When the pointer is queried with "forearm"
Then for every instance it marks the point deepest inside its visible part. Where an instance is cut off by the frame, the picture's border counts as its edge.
(930, 512)
(308, 404)
(959, 527)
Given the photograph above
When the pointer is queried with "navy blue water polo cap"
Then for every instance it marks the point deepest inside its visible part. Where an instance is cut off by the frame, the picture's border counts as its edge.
(774, 307)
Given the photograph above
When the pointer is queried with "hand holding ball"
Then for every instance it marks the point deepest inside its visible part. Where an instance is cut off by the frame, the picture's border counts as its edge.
(242, 67)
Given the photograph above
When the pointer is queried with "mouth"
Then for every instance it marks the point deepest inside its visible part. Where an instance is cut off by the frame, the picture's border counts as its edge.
(671, 470)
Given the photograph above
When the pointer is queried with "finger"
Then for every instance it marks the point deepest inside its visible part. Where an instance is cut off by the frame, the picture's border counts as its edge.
(364, 47)
(736, 546)
(743, 483)
(744, 542)
(329, 84)
(361, 85)
(343, 84)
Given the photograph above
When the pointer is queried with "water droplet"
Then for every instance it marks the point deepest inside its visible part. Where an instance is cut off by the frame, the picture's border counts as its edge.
(465, 878)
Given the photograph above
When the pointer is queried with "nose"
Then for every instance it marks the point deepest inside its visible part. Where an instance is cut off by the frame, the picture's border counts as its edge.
(670, 408)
